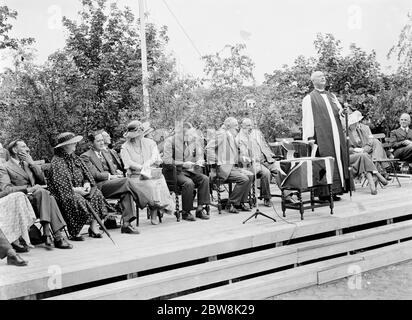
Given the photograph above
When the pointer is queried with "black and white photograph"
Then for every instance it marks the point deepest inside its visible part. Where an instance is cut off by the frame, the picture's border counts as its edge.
(208, 158)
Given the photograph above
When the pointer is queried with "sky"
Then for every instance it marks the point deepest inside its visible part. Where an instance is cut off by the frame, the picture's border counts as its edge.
(275, 32)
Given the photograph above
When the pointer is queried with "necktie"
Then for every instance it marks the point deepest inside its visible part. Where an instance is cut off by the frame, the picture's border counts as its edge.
(21, 162)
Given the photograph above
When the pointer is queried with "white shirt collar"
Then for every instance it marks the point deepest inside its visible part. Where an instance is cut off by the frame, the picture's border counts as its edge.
(15, 161)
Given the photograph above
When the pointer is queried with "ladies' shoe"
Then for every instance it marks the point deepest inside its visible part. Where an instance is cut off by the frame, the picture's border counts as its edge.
(48, 241)
(19, 248)
(374, 192)
(77, 238)
(94, 234)
(16, 260)
(129, 229)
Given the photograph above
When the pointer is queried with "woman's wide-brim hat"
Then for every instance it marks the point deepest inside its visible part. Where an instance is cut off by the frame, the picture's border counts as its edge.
(66, 138)
(134, 129)
(354, 117)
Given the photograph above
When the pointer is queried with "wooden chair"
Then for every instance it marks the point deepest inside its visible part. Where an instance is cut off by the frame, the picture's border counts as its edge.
(215, 184)
(393, 162)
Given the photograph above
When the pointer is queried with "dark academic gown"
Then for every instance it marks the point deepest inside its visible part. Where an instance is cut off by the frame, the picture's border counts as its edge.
(323, 135)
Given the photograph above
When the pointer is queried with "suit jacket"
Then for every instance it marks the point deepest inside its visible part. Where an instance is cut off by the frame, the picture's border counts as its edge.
(95, 165)
(14, 178)
(223, 150)
(254, 145)
(116, 159)
(398, 136)
(176, 152)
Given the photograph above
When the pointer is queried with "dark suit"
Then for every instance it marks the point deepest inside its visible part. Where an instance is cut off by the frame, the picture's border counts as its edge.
(176, 152)
(401, 151)
(223, 151)
(14, 178)
(116, 159)
(4, 245)
(120, 188)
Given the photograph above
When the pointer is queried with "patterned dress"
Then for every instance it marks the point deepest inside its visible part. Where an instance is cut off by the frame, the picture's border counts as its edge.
(68, 172)
(16, 216)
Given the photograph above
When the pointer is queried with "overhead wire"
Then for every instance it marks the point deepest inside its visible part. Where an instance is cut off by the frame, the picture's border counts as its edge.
(183, 29)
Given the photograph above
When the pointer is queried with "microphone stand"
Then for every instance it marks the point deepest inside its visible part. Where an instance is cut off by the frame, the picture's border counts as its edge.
(257, 211)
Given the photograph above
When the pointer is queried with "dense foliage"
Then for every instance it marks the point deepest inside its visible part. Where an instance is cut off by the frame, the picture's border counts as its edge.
(95, 82)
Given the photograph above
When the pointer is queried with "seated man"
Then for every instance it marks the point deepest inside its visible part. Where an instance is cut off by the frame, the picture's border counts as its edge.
(20, 173)
(185, 150)
(115, 156)
(223, 151)
(256, 155)
(110, 180)
(6, 250)
(402, 139)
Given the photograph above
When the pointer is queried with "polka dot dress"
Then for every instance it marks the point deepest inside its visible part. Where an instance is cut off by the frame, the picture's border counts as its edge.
(68, 172)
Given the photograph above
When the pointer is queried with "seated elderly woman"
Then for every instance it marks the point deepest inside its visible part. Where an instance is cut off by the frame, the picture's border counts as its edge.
(16, 217)
(141, 157)
(360, 161)
(74, 188)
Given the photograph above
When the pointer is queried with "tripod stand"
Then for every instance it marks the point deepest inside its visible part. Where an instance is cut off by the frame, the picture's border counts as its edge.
(257, 211)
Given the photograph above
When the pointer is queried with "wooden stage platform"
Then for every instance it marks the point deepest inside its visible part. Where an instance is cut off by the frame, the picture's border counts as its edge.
(222, 258)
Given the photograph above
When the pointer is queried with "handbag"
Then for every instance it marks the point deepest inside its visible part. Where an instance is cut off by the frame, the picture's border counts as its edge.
(35, 235)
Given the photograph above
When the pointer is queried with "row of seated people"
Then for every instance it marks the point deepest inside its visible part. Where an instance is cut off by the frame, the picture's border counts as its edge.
(77, 187)
(364, 149)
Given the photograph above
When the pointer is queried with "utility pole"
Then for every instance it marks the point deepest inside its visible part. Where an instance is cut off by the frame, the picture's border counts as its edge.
(145, 75)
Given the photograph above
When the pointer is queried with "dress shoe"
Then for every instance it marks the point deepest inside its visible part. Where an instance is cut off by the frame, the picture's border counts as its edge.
(201, 214)
(77, 238)
(62, 244)
(94, 234)
(188, 216)
(16, 260)
(48, 242)
(243, 207)
(374, 192)
(267, 203)
(233, 209)
(129, 229)
(19, 248)
(336, 198)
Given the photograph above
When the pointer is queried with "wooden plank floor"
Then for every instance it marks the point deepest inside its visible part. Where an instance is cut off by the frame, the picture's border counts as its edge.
(172, 242)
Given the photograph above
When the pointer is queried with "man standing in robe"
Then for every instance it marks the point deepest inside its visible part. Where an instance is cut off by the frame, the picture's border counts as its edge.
(321, 121)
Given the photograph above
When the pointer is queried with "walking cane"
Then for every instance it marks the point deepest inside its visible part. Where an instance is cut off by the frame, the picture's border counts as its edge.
(99, 221)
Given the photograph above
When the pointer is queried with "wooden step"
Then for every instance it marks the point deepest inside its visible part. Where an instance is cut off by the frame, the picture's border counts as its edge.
(274, 284)
(178, 280)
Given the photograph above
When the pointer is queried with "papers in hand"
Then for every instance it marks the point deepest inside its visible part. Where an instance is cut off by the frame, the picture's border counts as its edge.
(146, 172)
(150, 173)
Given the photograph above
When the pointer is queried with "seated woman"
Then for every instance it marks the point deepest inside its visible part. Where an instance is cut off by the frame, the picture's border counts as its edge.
(74, 188)
(369, 144)
(139, 156)
(16, 217)
(360, 161)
